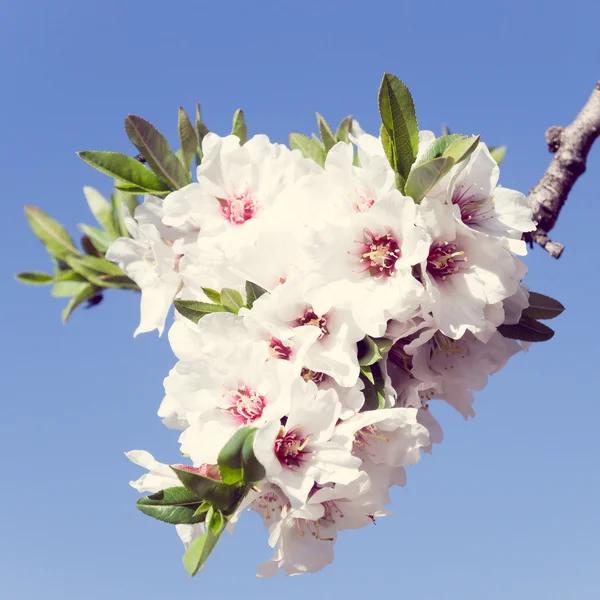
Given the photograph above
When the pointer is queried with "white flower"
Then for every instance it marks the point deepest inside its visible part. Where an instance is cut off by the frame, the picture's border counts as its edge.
(483, 205)
(219, 397)
(299, 454)
(366, 265)
(464, 272)
(304, 537)
(327, 338)
(149, 259)
(391, 436)
(237, 188)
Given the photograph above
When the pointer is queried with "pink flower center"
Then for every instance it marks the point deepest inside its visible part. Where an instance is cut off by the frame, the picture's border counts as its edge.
(277, 349)
(246, 405)
(444, 260)
(310, 317)
(290, 448)
(473, 211)
(363, 203)
(379, 253)
(238, 208)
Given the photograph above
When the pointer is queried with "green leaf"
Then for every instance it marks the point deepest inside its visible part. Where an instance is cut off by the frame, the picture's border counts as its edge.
(102, 210)
(68, 284)
(367, 374)
(194, 311)
(462, 149)
(309, 148)
(374, 387)
(85, 293)
(101, 240)
(341, 135)
(543, 307)
(84, 264)
(253, 292)
(527, 330)
(119, 199)
(425, 175)
(438, 146)
(372, 350)
(121, 282)
(252, 468)
(326, 134)
(239, 126)
(175, 505)
(199, 550)
(230, 457)
(128, 188)
(34, 278)
(53, 235)
(218, 494)
(397, 111)
(187, 137)
(212, 295)
(201, 131)
(126, 169)
(232, 300)
(156, 150)
(498, 153)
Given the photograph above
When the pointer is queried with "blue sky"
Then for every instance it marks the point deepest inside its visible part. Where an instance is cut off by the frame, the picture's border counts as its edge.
(507, 506)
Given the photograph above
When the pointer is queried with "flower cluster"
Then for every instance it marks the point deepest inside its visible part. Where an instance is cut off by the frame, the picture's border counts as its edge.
(320, 312)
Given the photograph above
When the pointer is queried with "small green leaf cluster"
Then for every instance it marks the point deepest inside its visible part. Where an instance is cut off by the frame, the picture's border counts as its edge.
(202, 499)
(83, 275)
(227, 300)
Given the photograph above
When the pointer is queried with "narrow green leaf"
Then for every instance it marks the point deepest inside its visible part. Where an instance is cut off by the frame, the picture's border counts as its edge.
(156, 150)
(126, 169)
(175, 505)
(232, 300)
(120, 199)
(438, 146)
(101, 240)
(309, 148)
(327, 136)
(121, 282)
(187, 137)
(194, 311)
(253, 292)
(102, 210)
(238, 126)
(543, 307)
(498, 153)
(53, 235)
(425, 175)
(85, 293)
(462, 149)
(343, 129)
(34, 278)
(253, 470)
(82, 264)
(201, 132)
(397, 111)
(527, 330)
(128, 188)
(212, 295)
(230, 457)
(218, 494)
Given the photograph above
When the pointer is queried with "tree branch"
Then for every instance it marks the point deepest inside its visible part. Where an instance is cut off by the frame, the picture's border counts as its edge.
(571, 146)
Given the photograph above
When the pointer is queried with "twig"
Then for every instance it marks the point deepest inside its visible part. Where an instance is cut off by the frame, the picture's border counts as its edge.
(571, 146)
